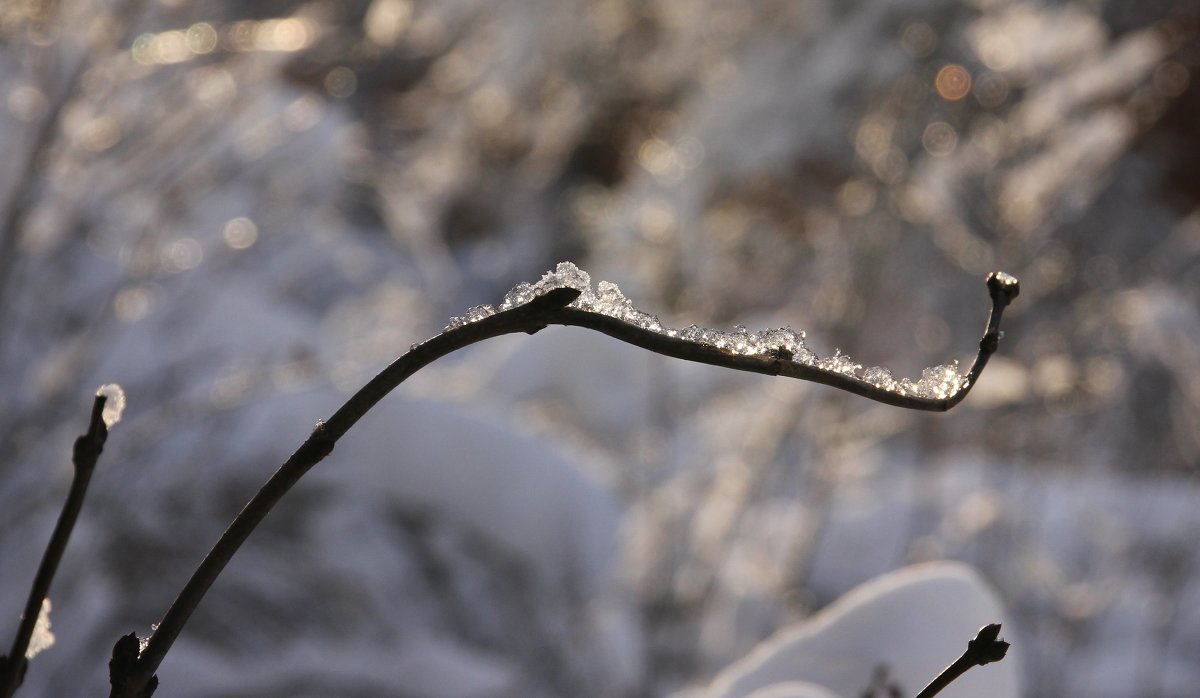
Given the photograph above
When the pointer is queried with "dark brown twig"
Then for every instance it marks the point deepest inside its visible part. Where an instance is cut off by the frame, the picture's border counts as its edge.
(85, 454)
(987, 647)
(550, 308)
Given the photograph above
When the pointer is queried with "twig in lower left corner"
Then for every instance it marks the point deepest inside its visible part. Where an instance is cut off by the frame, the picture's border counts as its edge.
(85, 454)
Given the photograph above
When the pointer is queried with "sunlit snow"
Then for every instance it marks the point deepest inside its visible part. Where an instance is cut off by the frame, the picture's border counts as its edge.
(1008, 280)
(114, 405)
(144, 641)
(42, 638)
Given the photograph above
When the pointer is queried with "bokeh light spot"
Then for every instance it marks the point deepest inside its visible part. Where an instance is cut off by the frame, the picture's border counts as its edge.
(302, 114)
(490, 106)
(131, 304)
(918, 39)
(341, 82)
(873, 138)
(240, 233)
(27, 103)
(1171, 79)
(100, 134)
(182, 255)
(453, 72)
(953, 82)
(656, 156)
(201, 38)
(657, 221)
(291, 34)
(991, 90)
(387, 20)
(998, 51)
(891, 166)
(940, 139)
(856, 197)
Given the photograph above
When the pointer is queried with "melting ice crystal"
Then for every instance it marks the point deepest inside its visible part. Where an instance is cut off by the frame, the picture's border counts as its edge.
(782, 343)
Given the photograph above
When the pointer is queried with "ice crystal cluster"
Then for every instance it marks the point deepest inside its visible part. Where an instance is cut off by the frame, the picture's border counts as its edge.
(1007, 280)
(783, 343)
(114, 404)
(42, 638)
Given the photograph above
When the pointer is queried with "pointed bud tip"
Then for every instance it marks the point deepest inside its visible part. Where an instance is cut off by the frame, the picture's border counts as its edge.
(987, 645)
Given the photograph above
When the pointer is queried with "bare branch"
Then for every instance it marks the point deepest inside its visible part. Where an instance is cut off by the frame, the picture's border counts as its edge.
(539, 308)
(86, 452)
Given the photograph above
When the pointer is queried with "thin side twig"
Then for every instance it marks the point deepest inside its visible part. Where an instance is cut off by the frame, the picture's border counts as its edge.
(131, 677)
(84, 456)
(987, 647)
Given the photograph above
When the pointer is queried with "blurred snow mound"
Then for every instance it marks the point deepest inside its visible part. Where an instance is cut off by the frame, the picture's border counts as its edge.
(598, 382)
(911, 623)
(792, 689)
(426, 667)
(475, 467)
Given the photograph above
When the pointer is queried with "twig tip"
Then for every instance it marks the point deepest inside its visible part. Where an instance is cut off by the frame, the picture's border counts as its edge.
(122, 665)
(1003, 287)
(987, 647)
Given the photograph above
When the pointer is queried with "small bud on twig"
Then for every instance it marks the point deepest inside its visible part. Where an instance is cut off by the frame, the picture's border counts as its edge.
(987, 647)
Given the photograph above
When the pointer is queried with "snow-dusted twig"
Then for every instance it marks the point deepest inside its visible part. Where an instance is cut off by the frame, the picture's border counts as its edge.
(85, 454)
(987, 647)
(565, 297)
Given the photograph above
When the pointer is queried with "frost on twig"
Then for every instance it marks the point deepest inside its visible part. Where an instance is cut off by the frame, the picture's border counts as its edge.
(33, 633)
(42, 638)
(114, 403)
(779, 351)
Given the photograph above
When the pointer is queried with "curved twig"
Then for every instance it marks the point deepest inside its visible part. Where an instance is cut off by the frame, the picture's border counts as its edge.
(549, 308)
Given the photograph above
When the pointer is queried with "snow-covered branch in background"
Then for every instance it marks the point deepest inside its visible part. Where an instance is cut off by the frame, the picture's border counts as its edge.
(562, 297)
(902, 626)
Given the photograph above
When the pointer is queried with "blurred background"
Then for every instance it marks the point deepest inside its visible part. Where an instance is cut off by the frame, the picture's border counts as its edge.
(241, 213)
